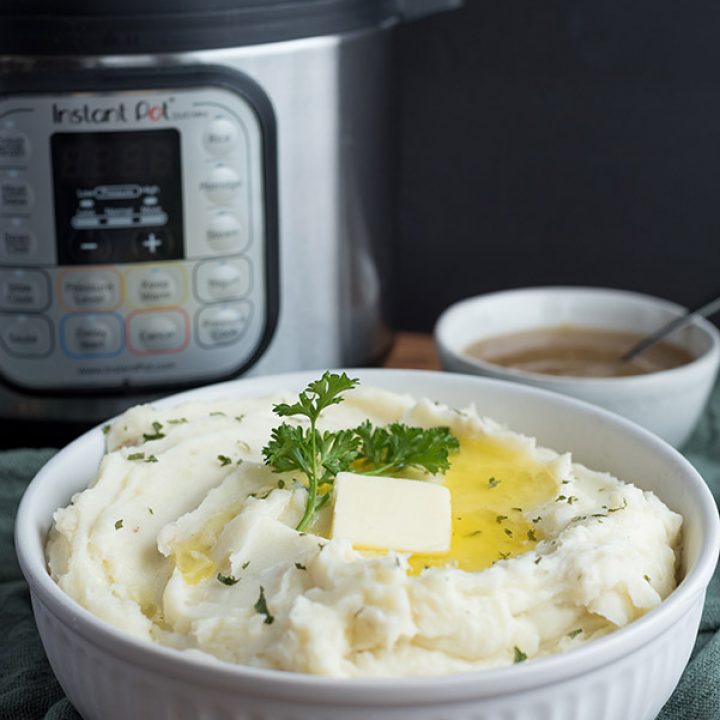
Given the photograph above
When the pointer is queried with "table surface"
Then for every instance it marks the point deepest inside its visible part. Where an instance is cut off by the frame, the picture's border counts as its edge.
(413, 350)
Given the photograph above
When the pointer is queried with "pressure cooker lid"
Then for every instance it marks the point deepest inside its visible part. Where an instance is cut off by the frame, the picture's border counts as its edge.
(108, 27)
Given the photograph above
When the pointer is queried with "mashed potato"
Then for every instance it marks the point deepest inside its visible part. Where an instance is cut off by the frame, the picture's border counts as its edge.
(187, 539)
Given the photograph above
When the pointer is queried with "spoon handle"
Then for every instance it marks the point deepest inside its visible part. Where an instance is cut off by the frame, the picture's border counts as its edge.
(705, 310)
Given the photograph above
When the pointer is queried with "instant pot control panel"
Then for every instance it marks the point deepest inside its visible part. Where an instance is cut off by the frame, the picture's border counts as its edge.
(137, 236)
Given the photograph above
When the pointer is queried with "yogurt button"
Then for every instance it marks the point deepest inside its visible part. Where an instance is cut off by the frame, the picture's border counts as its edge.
(223, 279)
(25, 336)
(224, 232)
(222, 185)
(220, 137)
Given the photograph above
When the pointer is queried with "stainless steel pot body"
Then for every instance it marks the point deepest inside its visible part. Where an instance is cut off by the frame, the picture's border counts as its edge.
(332, 101)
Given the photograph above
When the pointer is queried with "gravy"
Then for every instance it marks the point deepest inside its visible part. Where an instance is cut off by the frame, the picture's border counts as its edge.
(576, 351)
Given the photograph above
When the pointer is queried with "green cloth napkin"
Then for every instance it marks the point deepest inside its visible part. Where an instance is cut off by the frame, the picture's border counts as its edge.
(29, 691)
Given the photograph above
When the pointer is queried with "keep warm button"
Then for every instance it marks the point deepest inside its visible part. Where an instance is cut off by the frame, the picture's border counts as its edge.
(223, 324)
(151, 332)
(97, 290)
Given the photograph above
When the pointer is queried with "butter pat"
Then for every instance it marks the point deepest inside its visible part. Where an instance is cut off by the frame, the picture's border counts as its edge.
(392, 513)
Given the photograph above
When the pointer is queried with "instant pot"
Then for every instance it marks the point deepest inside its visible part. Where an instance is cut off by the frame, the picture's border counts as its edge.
(190, 190)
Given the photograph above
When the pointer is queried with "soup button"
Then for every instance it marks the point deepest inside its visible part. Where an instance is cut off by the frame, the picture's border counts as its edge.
(157, 332)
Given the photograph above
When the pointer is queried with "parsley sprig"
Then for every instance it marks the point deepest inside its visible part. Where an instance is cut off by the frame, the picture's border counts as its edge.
(320, 456)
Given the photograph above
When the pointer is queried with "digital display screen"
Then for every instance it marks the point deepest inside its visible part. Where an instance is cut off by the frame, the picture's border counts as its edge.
(118, 196)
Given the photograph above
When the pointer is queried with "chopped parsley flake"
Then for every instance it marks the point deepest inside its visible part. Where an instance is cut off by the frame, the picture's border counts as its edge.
(300, 566)
(106, 429)
(519, 655)
(239, 418)
(537, 560)
(574, 633)
(571, 500)
(217, 413)
(118, 524)
(531, 535)
(508, 532)
(517, 509)
(227, 579)
(224, 460)
(559, 498)
(157, 432)
(500, 518)
(504, 556)
(537, 519)
(492, 482)
(151, 459)
(262, 608)
(281, 483)
(151, 511)
(647, 578)
(178, 421)
(245, 565)
(136, 456)
(612, 510)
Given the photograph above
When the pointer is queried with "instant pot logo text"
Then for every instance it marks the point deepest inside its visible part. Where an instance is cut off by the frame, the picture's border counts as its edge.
(141, 111)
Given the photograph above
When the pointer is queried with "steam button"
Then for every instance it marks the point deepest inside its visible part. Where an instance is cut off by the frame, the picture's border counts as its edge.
(222, 185)
(220, 137)
(224, 232)
(26, 335)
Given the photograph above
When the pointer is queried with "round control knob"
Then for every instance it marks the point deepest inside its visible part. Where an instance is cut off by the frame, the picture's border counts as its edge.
(224, 232)
(220, 137)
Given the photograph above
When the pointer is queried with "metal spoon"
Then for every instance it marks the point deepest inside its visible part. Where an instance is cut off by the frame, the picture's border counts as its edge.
(705, 310)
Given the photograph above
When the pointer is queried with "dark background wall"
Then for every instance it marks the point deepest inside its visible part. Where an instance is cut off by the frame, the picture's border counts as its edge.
(559, 142)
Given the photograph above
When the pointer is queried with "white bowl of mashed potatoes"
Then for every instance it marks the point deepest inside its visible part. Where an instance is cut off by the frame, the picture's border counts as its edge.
(179, 585)
(571, 340)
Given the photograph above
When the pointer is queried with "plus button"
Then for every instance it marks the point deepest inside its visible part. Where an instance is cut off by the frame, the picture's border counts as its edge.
(152, 243)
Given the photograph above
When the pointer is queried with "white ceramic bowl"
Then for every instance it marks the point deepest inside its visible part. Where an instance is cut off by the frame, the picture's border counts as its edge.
(627, 675)
(668, 403)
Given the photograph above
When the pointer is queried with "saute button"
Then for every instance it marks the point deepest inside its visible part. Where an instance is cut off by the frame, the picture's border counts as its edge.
(26, 336)
(223, 325)
(99, 289)
(92, 335)
(14, 146)
(23, 290)
(224, 232)
(223, 279)
(222, 185)
(157, 331)
(220, 137)
(15, 195)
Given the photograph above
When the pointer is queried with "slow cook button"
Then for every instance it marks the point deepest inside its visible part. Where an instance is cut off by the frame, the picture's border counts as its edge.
(224, 232)
(91, 335)
(99, 289)
(25, 335)
(223, 325)
(151, 331)
(23, 290)
(222, 185)
(220, 137)
(223, 279)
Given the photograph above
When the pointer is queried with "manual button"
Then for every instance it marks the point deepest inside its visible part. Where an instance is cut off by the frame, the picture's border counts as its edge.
(223, 325)
(83, 290)
(24, 290)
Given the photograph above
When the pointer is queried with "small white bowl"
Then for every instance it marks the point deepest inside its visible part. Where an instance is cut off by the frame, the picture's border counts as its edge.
(628, 674)
(669, 403)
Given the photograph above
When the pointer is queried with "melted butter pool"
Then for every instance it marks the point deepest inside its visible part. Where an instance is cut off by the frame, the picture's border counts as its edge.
(492, 484)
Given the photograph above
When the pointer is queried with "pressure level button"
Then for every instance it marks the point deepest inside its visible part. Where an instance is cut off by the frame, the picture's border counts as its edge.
(220, 137)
